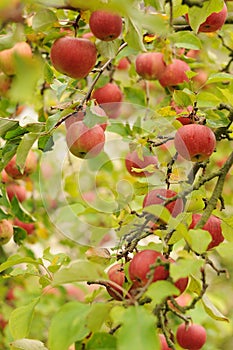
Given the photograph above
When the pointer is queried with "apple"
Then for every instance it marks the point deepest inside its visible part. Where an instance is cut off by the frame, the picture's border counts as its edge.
(150, 65)
(141, 265)
(75, 292)
(8, 57)
(116, 274)
(191, 337)
(109, 97)
(123, 64)
(184, 120)
(11, 11)
(30, 166)
(214, 21)
(163, 342)
(153, 197)
(132, 160)
(174, 73)
(213, 226)
(105, 25)
(27, 226)
(6, 231)
(181, 284)
(74, 57)
(195, 142)
(5, 83)
(3, 322)
(84, 142)
(5, 177)
(14, 189)
(78, 116)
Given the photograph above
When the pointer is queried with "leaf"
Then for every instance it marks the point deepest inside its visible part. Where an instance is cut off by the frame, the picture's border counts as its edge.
(6, 125)
(101, 341)
(108, 49)
(21, 318)
(27, 344)
(183, 98)
(20, 212)
(43, 20)
(207, 99)
(194, 285)
(219, 78)
(227, 228)
(140, 188)
(24, 147)
(91, 118)
(198, 240)
(138, 330)
(185, 39)
(15, 260)
(160, 290)
(102, 310)
(158, 211)
(212, 311)
(19, 235)
(133, 36)
(46, 143)
(184, 267)
(68, 325)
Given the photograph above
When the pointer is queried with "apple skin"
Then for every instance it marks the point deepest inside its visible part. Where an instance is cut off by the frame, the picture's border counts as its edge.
(191, 337)
(163, 342)
(109, 97)
(116, 274)
(174, 73)
(139, 267)
(80, 115)
(30, 166)
(133, 161)
(27, 226)
(7, 57)
(175, 207)
(105, 25)
(213, 226)
(123, 64)
(5, 177)
(150, 65)
(14, 189)
(195, 142)
(84, 142)
(184, 120)
(6, 231)
(74, 57)
(181, 284)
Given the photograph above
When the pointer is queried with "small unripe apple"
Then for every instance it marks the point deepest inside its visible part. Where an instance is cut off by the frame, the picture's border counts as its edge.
(74, 57)
(8, 57)
(6, 231)
(132, 160)
(14, 189)
(109, 97)
(154, 197)
(191, 337)
(150, 65)
(27, 226)
(195, 142)
(84, 142)
(174, 73)
(30, 166)
(78, 116)
(116, 274)
(105, 25)
(163, 342)
(213, 226)
(141, 267)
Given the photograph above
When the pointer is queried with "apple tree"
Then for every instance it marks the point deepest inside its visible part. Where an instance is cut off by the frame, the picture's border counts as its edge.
(116, 174)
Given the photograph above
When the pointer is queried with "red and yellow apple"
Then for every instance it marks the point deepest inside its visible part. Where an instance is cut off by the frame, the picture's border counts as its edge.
(8, 57)
(116, 274)
(17, 190)
(174, 73)
(30, 166)
(132, 160)
(150, 65)
(105, 25)
(6, 231)
(27, 226)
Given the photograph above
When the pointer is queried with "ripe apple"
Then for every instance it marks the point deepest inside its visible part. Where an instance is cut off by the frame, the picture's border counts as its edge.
(30, 166)
(174, 73)
(27, 226)
(8, 57)
(195, 142)
(181, 284)
(141, 267)
(150, 65)
(132, 160)
(80, 115)
(84, 142)
(163, 342)
(116, 274)
(123, 64)
(213, 226)
(6, 231)
(14, 189)
(191, 337)
(74, 57)
(153, 197)
(105, 25)
(109, 97)
(5, 177)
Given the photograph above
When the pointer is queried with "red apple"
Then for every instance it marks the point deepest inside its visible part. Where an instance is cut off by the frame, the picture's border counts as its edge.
(105, 25)
(153, 197)
(174, 73)
(5, 177)
(116, 274)
(123, 64)
(195, 142)
(84, 142)
(181, 284)
(3, 322)
(193, 53)
(6, 231)
(109, 97)
(132, 160)
(78, 116)
(163, 342)
(7, 57)
(141, 265)
(213, 226)
(27, 226)
(30, 166)
(74, 57)
(150, 65)
(191, 337)
(14, 189)
(184, 120)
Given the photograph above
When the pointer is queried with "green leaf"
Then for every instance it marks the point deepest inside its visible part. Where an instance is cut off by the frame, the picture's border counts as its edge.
(212, 311)
(16, 260)
(6, 125)
(24, 147)
(19, 235)
(187, 40)
(219, 78)
(27, 344)
(183, 98)
(198, 240)
(20, 212)
(160, 290)
(21, 319)
(158, 211)
(91, 118)
(108, 49)
(133, 36)
(46, 143)
(194, 285)
(140, 188)
(185, 267)
(227, 228)
(134, 95)
(207, 99)
(101, 341)
(102, 310)
(138, 330)
(68, 325)
(43, 20)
